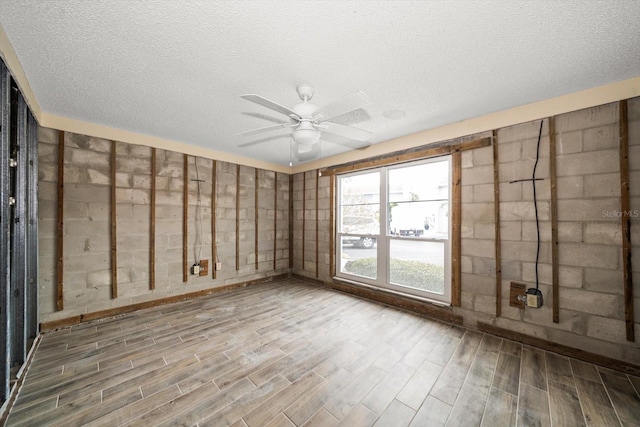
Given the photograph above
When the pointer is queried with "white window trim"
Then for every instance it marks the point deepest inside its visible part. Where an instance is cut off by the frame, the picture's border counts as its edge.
(383, 238)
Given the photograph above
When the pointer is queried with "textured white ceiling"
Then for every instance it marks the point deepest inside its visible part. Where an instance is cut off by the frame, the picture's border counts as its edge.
(175, 68)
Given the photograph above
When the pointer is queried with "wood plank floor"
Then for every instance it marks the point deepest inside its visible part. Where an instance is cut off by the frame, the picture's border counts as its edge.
(294, 354)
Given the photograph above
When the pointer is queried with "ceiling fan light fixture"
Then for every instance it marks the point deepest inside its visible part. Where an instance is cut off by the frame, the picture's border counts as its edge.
(306, 134)
(302, 148)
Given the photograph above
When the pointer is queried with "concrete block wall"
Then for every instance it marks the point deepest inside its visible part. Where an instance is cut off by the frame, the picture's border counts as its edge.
(87, 206)
(478, 231)
(591, 306)
(316, 263)
(590, 271)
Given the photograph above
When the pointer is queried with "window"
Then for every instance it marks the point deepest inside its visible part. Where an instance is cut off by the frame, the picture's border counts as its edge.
(393, 228)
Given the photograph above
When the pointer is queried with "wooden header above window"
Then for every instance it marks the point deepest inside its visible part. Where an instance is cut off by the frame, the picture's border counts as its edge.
(433, 150)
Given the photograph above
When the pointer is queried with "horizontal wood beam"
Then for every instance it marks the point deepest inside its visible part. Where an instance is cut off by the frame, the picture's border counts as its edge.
(435, 150)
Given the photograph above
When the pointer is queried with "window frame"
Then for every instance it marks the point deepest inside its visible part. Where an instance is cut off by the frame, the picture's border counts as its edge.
(384, 238)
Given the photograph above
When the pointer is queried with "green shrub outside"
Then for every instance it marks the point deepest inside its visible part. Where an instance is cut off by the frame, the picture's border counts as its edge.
(411, 273)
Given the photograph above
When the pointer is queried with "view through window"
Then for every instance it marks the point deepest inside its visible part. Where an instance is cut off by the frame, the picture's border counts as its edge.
(394, 225)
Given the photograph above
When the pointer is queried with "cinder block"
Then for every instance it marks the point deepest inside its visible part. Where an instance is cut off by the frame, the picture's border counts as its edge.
(570, 231)
(599, 209)
(485, 304)
(522, 131)
(477, 175)
(611, 330)
(86, 193)
(634, 156)
(530, 231)
(467, 193)
(572, 321)
(511, 270)
(530, 148)
(603, 233)
(75, 175)
(603, 280)
(587, 163)
(483, 193)
(543, 189)
(47, 153)
(599, 304)
(484, 230)
(510, 230)
(510, 192)
(601, 137)
(132, 196)
(483, 266)
(523, 170)
(477, 247)
(544, 273)
(525, 251)
(588, 255)
(570, 277)
(570, 187)
(477, 212)
(478, 285)
(633, 109)
(173, 170)
(518, 211)
(568, 142)
(87, 158)
(74, 140)
(602, 185)
(483, 156)
(509, 152)
(587, 118)
(47, 135)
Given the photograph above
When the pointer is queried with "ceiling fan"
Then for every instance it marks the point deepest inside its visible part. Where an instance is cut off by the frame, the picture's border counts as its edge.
(307, 121)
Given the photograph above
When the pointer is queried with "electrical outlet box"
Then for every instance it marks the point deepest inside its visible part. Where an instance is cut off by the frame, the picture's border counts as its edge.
(204, 267)
(195, 269)
(534, 298)
(218, 266)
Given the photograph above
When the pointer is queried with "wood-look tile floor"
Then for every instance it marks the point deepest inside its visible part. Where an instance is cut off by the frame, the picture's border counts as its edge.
(293, 354)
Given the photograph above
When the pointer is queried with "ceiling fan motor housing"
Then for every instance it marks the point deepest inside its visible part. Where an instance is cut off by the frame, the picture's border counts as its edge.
(305, 91)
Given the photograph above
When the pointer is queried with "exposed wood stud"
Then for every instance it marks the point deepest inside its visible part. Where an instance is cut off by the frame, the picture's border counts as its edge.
(555, 285)
(237, 217)
(114, 217)
(152, 223)
(304, 214)
(290, 221)
(185, 218)
(625, 208)
(317, 227)
(256, 217)
(214, 249)
(60, 226)
(275, 218)
(332, 226)
(389, 159)
(456, 224)
(498, 241)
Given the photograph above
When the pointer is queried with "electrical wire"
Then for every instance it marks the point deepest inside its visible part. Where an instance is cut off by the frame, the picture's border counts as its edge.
(535, 201)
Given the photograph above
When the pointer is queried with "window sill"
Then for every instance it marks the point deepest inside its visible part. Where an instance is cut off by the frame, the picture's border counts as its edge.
(413, 303)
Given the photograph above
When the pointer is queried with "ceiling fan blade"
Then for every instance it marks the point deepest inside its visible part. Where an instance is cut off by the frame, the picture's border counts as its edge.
(264, 129)
(343, 105)
(349, 132)
(263, 140)
(262, 117)
(260, 100)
